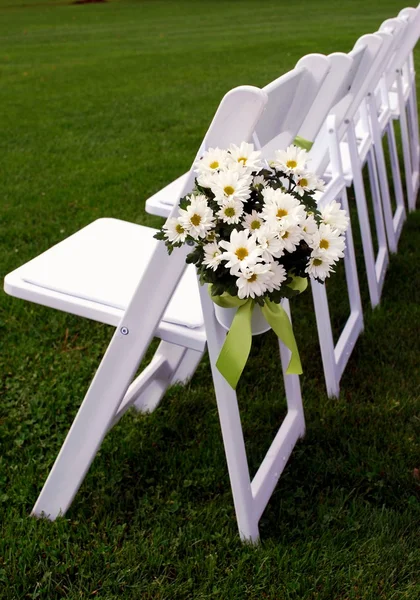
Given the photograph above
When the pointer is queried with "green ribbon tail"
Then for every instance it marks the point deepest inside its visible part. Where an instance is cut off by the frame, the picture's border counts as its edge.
(235, 351)
(277, 317)
(302, 143)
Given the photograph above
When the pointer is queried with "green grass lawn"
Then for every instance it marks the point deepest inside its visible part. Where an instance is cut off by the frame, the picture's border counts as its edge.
(100, 106)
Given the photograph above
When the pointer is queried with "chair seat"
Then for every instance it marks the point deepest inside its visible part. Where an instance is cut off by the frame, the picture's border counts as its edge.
(164, 200)
(94, 273)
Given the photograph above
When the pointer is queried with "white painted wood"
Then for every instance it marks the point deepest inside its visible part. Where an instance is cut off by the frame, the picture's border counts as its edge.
(335, 145)
(232, 434)
(110, 393)
(401, 87)
(290, 431)
(335, 357)
(290, 98)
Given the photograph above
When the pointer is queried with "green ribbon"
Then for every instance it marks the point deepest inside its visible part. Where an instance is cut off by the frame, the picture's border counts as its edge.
(236, 348)
(302, 143)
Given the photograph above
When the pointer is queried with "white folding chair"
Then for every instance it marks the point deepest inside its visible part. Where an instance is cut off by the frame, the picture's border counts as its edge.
(277, 130)
(113, 390)
(355, 153)
(376, 119)
(326, 151)
(400, 84)
(117, 273)
(342, 93)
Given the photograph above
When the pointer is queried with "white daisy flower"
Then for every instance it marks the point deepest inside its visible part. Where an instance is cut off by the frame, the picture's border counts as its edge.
(291, 159)
(309, 229)
(252, 281)
(282, 208)
(231, 184)
(271, 244)
(242, 251)
(197, 219)
(319, 266)
(277, 274)
(328, 242)
(245, 156)
(205, 180)
(307, 182)
(253, 222)
(335, 216)
(231, 211)
(174, 231)
(212, 256)
(291, 237)
(212, 161)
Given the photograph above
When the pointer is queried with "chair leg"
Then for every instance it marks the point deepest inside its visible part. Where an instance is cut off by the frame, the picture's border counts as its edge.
(231, 427)
(414, 137)
(382, 257)
(406, 145)
(325, 336)
(400, 214)
(149, 397)
(187, 366)
(379, 181)
(93, 420)
(363, 215)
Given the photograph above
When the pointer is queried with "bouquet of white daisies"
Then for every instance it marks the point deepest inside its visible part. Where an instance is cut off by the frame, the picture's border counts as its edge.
(254, 226)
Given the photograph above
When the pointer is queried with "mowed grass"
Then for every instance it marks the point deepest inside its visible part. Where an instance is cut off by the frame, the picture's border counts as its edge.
(101, 105)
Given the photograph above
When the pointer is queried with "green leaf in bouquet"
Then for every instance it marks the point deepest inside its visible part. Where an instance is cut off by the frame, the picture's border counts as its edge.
(203, 190)
(185, 202)
(160, 235)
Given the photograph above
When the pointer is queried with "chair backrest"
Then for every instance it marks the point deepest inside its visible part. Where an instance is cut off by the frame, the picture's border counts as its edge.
(400, 30)
(289, 99)
(343, 68)
(365, 55)
(233, 122)
(331, 89)
(412, 15)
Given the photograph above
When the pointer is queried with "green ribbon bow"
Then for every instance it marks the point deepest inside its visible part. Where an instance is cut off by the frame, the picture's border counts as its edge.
(235, 351)
(302, 143)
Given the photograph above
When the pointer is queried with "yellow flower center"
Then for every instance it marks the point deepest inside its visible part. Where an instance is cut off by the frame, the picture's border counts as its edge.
(285, 235)
(179, 228)
(255, 224)
(303, 182)
(281, 213)
(195, 220)
(324, 244)
(214, 165)
(242, 160)
(317, 262)
(291, 164)
(241, 253)
(229, 190)
(252, 278)
(230, 211)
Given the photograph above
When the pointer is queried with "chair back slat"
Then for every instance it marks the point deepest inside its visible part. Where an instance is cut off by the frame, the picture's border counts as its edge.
(233, 122)
(333, 88)
(364, 55)
(289, 99)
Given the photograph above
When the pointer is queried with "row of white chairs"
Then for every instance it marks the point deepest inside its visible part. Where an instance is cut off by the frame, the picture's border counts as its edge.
(116, 272)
